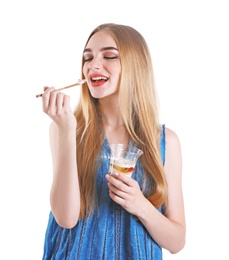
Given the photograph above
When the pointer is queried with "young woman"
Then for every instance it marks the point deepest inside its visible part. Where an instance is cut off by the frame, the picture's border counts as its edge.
(95, 215)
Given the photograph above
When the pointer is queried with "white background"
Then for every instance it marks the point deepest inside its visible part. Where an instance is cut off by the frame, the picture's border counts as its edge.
(41, 44)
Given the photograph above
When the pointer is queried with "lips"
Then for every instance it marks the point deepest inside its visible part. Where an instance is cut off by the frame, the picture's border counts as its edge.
(98, 80)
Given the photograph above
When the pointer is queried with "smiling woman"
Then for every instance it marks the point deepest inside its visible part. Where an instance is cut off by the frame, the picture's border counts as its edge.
(96, 215)
(101, 56)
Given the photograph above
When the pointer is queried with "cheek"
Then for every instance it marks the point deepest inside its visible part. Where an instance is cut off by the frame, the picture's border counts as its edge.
(84, 70)
(118, 69)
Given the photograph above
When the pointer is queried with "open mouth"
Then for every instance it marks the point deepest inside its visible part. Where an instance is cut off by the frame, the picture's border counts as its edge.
(96, 79)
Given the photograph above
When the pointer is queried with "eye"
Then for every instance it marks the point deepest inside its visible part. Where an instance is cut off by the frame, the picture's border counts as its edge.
(89, 58)
(110, 57)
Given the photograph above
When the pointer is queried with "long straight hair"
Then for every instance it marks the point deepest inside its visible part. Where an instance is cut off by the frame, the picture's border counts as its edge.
(140, 114)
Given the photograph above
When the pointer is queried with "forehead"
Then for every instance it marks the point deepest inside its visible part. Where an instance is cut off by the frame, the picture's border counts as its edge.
(100, 40)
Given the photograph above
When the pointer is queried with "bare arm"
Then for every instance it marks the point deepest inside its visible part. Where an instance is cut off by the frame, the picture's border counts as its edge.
(64, 195)
(167, 230)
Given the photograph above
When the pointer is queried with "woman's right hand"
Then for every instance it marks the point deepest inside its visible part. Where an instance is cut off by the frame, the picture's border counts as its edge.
(65, 192)
(57, 106)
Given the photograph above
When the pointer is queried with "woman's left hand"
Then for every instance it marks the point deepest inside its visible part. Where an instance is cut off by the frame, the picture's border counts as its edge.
(126, 192)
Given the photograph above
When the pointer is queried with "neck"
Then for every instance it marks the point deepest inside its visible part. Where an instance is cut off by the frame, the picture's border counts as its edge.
(111, 115)
(113, 123)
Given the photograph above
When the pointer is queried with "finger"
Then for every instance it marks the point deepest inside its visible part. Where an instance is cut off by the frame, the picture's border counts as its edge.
(125, 179)
(52, 102)
(59, 102)
(116, 183)
(116, 191)
(116, 198)
(66, 102)
(46, 97)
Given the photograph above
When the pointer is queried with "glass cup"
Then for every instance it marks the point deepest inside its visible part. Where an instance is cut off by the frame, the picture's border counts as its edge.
(123, 158)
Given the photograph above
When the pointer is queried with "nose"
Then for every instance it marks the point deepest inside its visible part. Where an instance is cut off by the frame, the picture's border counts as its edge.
(95, 63)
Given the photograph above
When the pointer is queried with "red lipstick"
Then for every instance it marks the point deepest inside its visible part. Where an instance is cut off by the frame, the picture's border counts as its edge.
(97, 80)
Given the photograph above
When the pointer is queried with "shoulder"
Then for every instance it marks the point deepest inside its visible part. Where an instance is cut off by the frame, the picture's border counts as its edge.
(171, 137)
(173, 148)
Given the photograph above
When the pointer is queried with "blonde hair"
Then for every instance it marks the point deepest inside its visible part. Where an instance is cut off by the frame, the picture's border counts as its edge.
(139, 112)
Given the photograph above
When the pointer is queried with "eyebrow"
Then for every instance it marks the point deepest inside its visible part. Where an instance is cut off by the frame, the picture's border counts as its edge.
(102, 49)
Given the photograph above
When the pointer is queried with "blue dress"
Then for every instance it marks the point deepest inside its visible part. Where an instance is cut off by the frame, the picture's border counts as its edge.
(110, 233)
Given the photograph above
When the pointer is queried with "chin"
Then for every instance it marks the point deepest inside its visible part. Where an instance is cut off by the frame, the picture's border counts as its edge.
(100, 94)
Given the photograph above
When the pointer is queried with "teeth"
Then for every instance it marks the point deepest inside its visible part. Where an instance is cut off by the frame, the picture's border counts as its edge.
(99, 78)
